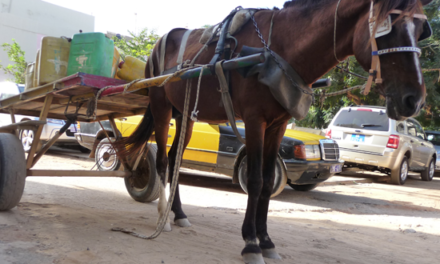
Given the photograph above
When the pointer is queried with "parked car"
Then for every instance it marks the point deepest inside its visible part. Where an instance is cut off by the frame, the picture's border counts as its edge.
(304, 159)
(434, 138)
(8, 89)
(369, 140)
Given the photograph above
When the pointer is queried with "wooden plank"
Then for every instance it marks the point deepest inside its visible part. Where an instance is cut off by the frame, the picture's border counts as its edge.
(28, 124)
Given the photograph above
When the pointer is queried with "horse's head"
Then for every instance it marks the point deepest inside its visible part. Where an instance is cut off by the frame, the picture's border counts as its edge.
(399, 66)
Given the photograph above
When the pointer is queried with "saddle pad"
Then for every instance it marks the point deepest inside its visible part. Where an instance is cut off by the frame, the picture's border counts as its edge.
(238, 21)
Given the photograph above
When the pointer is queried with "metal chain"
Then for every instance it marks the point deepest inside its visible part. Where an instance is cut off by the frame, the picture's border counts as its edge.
(272, 54)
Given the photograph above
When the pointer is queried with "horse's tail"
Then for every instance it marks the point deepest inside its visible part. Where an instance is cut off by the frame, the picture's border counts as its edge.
(131, 146)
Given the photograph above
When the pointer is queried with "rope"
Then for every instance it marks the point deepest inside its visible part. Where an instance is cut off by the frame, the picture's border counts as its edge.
(344, 91)
(163, 220)
(195, 112)
(334, 36)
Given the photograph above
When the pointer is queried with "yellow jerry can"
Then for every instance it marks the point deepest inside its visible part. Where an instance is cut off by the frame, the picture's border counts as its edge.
(132, 69)
(54, 56)
(116, 61)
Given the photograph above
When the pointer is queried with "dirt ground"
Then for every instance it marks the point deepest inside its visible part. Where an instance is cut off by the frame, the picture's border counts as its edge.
(68, 221)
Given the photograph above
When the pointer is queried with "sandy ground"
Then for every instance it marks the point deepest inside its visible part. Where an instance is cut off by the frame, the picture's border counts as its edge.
(68, 220)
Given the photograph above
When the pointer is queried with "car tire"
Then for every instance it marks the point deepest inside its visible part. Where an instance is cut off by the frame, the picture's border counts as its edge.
(105, 156)
(144, 185)
(304, 187)
(428, 173)
(27, 137)
(399, 175)
(12, 171)
(280, 176)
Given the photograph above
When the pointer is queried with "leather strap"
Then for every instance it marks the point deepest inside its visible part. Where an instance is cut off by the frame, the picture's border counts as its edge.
(151, 64)
(226, 99)
(163, 47)
(183, 46)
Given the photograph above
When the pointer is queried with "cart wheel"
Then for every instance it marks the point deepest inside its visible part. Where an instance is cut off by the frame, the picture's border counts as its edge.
(144, 185)
(279, 182)
(12, 171)
(105, 156)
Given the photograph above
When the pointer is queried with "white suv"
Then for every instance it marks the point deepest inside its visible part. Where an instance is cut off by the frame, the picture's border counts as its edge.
(369, 140)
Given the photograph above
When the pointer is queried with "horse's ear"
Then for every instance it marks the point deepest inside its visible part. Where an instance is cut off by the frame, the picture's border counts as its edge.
(425, 2)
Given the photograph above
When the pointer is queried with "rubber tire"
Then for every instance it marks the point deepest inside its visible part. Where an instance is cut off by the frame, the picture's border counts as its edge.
(145, 189)
(280, 177)
(304, 187)
(425, 174)
(104, 147)
(12, 171)
(396, 174)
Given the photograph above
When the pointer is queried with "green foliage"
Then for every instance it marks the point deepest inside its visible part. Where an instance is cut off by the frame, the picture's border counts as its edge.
(320, 115)
(16, 55)
(137, 45)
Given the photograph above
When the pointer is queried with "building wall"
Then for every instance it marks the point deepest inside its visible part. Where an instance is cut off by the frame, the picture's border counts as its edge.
(28, 21)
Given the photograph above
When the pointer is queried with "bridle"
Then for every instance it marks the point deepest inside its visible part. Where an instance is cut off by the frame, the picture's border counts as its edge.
(382, 30)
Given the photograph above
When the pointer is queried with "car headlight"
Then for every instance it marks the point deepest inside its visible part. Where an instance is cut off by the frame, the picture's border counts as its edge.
(313, 152)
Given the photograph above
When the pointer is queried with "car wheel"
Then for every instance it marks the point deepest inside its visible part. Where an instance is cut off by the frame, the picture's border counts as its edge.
(304, 187)
(280, 176)
(400, 175)
(105, 156)
(428, 173)
(144, 184)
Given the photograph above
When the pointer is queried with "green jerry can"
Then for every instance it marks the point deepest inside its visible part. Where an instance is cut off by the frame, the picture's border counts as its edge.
(91, 53)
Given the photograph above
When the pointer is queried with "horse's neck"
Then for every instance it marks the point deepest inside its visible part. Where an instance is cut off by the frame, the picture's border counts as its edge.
(306, 39)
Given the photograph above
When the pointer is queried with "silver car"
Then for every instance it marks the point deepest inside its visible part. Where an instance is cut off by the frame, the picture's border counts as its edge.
(369, 140)
(8, 89)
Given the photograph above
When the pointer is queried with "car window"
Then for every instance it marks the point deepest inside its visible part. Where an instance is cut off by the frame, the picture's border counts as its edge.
(433, 138)
(366, 120)
(415, 130)
(400, 128)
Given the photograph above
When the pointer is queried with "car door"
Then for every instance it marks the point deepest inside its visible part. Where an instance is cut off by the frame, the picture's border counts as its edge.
(425, 146)
(418, 143)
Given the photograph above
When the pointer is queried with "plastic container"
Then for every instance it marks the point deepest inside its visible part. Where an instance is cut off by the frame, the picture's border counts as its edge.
(91, 53)
(29, 76)
(116, 60)
(54, 56)
(132, 69)
(37, 66)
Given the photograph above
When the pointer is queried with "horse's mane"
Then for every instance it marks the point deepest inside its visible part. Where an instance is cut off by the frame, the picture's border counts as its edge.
(385, 6)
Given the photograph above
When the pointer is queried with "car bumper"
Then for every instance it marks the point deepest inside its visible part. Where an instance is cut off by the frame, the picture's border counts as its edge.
(387, 159)
(310, 172)
(85, 140)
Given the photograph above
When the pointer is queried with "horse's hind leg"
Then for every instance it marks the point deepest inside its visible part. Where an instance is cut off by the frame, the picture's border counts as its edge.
(180, 218)
(272, 140)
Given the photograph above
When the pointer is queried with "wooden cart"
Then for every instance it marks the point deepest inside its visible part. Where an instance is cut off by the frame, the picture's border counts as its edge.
(69, 98)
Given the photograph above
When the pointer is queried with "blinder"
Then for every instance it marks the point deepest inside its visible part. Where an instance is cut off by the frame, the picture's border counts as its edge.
(386, 27)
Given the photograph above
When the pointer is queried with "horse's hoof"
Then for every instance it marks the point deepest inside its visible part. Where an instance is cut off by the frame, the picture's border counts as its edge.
(182, 222)
(167, 227)
(271, 253)
(253, 258)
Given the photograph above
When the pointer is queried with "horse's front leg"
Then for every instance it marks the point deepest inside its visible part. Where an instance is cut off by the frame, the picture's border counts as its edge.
(272, 141)
(180, 218)
(252, 253)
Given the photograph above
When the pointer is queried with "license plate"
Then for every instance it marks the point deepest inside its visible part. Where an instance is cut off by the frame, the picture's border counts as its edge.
(336, 168)
(357, 138)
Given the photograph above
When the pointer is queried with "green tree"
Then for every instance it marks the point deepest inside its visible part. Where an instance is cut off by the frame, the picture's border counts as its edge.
(137, 45)
(15, 55)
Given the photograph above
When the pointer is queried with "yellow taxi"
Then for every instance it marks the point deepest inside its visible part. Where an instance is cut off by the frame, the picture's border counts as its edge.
(304, 159)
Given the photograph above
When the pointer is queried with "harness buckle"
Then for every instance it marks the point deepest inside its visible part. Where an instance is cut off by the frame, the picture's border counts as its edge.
(373, 73)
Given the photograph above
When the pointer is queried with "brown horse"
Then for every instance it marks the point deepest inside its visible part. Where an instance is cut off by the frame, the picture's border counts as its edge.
(303, 35)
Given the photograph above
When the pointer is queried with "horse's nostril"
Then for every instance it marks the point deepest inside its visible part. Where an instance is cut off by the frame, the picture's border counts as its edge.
(410, 102)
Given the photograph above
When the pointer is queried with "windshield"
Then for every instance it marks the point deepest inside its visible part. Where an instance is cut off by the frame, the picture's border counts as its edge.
(366, 120)
(433, 138)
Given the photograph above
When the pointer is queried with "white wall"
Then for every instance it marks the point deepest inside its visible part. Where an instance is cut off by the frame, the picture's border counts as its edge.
(27, 21)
